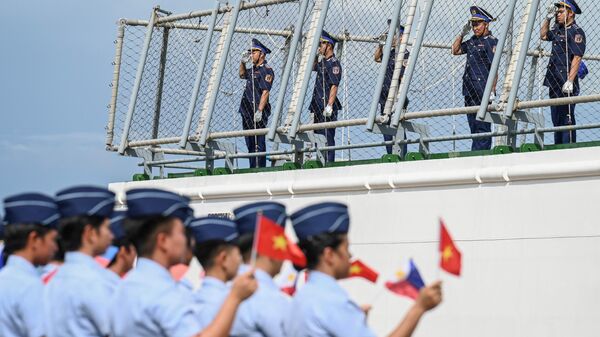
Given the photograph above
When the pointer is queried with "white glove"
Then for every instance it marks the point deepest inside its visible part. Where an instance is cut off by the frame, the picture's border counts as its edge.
(492, 97)
(384, 119)
(328, 111)
(551, 12)
(245, 57)
(258, 116)
(319, 58)
(381, 39)
(568, 87)
(466, 29)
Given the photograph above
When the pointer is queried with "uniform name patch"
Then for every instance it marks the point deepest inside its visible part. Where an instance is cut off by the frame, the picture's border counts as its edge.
(578, 38)
(336, 70)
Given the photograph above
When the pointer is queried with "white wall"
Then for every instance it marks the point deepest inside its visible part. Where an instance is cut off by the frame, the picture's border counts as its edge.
(527, 225)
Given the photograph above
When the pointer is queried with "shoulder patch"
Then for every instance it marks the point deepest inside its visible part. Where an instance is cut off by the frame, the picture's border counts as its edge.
(578, 38)
(269, 78)
(405, 63)
(336, 70)
(494, 49)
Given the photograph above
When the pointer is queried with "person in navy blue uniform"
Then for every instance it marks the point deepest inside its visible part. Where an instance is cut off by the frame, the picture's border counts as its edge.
(263, 314)
(480, 49)
(324, 105)
(255, 108)
(30, 234)
(217, 251)
(387, 82)
(322, 308)
(149, 302)
(568, 46)
(79, 294)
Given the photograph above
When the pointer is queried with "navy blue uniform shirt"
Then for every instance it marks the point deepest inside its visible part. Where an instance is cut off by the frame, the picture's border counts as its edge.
(566, 43)
(258, 78)
(329, 72)
(480, 53)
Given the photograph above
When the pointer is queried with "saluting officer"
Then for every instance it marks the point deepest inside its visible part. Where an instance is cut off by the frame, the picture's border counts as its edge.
(322, 307)
(387, 82)
(568, 47)
(78, 296)
(325, 105)
(255, 108)
(263, 314)
(30, 236)
(149, 302)
(480, 49)
(217, 251)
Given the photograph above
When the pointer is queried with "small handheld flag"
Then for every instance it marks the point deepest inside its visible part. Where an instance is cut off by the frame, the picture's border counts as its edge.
(407, 281)
(287, 279)
(359, 269)
(450, 256)
(271, 241)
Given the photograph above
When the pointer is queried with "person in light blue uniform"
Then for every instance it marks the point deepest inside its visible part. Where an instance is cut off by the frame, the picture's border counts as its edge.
(78, 296)
(387, 82)
(565, 67)
(255, 107)
(216, 250)
(30, 237)
(121, 254)
(149, 302)
(263, 314)
(322, 307)
(324, 105)
(480, 49)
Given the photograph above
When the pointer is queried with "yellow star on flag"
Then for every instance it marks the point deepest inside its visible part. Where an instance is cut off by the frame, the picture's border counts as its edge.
(279, 242)
(355, 270)
(447, 253)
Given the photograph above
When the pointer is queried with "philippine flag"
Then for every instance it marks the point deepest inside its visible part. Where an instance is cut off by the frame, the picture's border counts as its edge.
(407, 281)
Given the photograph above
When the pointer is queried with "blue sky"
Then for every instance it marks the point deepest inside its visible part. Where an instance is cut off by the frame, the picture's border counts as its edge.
(55, 71)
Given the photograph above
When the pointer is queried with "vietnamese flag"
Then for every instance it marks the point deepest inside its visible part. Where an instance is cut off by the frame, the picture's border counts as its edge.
(271, 241)
(450, 257)
(359, 269)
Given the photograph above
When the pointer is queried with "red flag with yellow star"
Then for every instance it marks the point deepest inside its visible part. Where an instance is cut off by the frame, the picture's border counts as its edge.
(450, 257)
(271, 241)
(359, 269)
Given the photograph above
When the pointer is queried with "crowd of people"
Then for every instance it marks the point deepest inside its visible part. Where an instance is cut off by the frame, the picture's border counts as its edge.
(134, 294)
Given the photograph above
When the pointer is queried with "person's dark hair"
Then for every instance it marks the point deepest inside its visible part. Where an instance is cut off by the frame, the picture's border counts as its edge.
(245, 242)
(207, 251)
(141, 232)
(71, 229)
(15, 236)
(313, 246)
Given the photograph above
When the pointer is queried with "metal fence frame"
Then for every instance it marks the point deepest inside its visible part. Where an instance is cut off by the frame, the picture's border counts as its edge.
(206, 143)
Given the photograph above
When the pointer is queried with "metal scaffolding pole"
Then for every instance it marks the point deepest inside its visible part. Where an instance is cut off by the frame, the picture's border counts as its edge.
(485, 100)
(199, 75)
(288, 69)
(412, 62)
(512, 97)
(308, 66)
(220, 69)
(383, 69)
(138, 80)
(161, 81)
(110, 128)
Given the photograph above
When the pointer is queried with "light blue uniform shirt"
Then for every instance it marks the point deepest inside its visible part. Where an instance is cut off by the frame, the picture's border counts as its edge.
(149, 302)
(78, 298)
(21, 299)
(210, 298)
(322, 308)
(262, 314)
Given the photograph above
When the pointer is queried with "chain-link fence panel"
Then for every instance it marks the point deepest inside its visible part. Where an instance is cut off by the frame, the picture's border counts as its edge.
(272, 26)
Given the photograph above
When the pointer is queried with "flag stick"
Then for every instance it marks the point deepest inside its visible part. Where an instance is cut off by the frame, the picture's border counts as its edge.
(255, 241)
(439, 264)
(377, 294)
